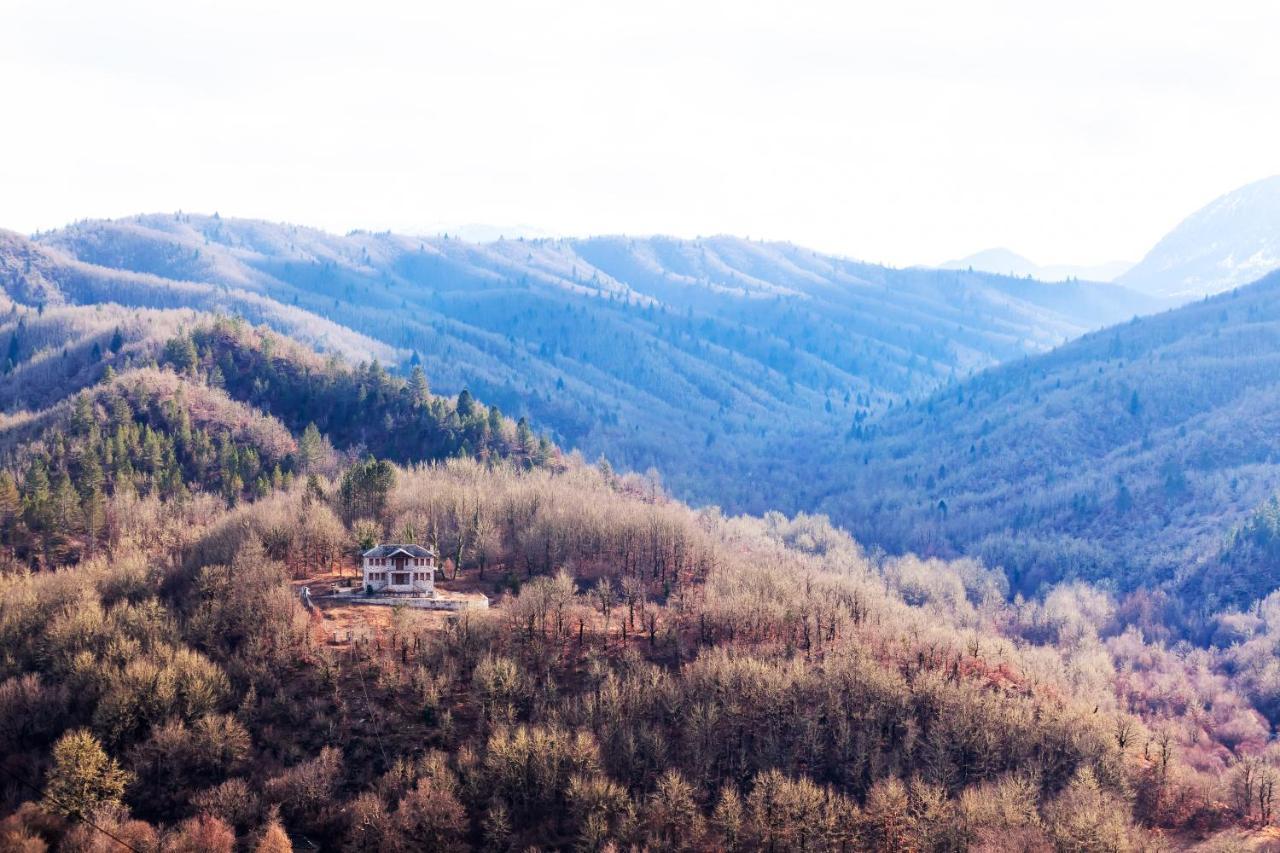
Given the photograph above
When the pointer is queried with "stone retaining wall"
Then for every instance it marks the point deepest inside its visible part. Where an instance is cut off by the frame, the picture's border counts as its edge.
(481, 603)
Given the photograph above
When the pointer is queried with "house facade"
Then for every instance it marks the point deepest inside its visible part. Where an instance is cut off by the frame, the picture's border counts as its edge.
(408, 569)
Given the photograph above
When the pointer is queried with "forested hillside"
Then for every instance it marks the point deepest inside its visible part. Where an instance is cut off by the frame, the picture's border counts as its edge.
(37, 275)
(691, 356)
(1125, 457)
(233, 410)
(648, 674)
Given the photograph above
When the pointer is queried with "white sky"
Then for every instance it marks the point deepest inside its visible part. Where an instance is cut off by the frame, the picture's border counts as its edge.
(903, 132)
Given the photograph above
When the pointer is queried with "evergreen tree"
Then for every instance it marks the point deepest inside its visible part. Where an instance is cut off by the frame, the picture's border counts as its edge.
(419, 390)
(1124, 498)
(93, 509)
(36, 496)
(10, 506)
(181, 353)
(524, 439)
(310, 449)
(14, 353)
(466, 404)
(82, 415)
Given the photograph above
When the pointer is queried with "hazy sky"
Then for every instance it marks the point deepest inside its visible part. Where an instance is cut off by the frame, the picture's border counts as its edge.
(902, 132)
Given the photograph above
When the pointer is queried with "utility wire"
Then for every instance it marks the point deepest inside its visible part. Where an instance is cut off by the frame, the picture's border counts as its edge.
(377, 724)
(117, 839)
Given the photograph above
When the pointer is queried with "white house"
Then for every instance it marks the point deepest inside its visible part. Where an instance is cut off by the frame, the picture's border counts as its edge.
(409, 569)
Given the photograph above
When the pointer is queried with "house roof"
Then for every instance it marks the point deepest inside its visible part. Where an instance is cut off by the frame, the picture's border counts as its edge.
(407, 550)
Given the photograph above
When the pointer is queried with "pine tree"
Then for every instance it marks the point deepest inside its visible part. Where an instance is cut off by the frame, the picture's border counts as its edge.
(466, 404)
(14, 354)
(66, 504)
(419, 389)
(10, 506)
(82, 415)
(310, 449)
(93, 510)
(36, 496)
(524, 439)
(314, 491)
(181, 353)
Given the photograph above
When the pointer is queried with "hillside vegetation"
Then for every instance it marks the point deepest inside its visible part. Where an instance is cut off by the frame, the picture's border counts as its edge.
(142, 418)
(1125, 457)
(649, 675)
(38, 275)
(694, 682)
(690, 356)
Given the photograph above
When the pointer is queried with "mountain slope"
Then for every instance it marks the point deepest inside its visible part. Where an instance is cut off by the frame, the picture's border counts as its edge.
(1125, 456)
(227, 410)
(34, 274)
(1230, 242)
(649, 676)
(690, 356)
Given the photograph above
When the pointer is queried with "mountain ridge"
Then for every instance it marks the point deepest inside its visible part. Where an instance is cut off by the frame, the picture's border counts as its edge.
(596, 339)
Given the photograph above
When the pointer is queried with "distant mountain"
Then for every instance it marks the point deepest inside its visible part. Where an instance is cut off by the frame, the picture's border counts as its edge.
(38, 274)
(1230, 242)
(691, 356)
(1124, 457)
(1006, 262)
(478, 232)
